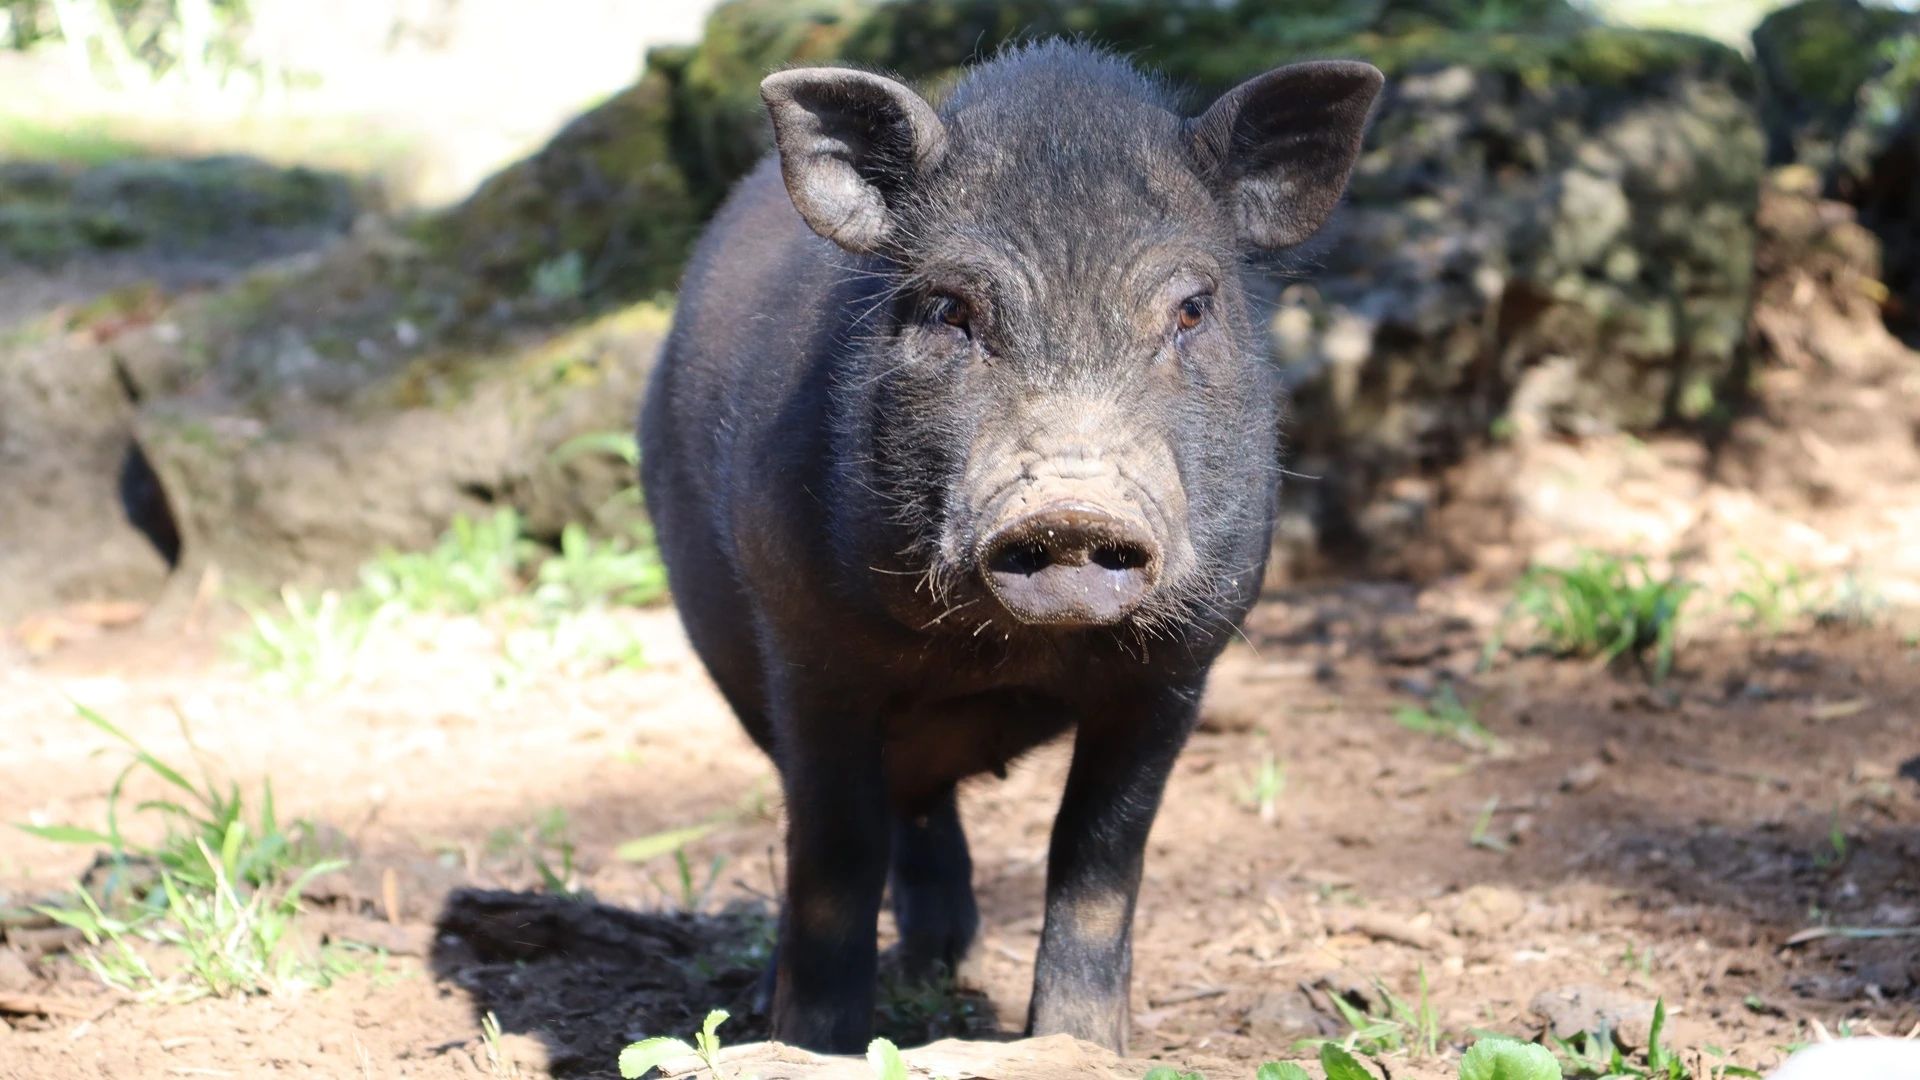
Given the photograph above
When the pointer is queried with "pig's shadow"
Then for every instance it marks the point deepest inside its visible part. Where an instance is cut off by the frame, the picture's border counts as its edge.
(586, 979)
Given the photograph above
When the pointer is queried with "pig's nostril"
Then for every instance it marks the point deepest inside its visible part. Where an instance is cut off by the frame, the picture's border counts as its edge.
(1071, 565)
(1121, 556)
(1021, 559)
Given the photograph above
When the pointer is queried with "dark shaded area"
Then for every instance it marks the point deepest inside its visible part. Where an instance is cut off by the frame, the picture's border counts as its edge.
(588, 978)
(144, 499)
(1840, 95)
(1888, 199)
(1812, 59)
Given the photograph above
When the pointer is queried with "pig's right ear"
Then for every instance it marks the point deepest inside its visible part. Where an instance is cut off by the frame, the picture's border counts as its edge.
(1278, 147)
(851, 143)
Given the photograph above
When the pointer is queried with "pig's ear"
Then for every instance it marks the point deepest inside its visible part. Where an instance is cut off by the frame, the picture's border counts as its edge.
(1278, 148)
(851, 143)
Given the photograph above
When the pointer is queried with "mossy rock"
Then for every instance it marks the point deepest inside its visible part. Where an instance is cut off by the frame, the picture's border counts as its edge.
(1814, 57)
(50, 212)
(624, 189)
(413, 373)
(292, 489)
(1210, 47)
(606, 191)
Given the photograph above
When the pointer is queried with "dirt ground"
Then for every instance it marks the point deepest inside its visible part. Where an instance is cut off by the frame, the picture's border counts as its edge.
(1652, 843)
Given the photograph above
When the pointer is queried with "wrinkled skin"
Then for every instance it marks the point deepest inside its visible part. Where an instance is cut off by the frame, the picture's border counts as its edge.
(963, 439)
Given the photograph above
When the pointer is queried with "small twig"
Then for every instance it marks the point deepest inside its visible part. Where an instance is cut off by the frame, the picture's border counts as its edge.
(1852, 933)
(390, 895)
(1708, 768)
(1197, 994)
(41, 1005)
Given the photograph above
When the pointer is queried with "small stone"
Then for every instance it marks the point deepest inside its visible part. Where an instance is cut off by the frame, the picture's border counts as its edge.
(1892, 977)
(15, 975)
(1583, 777)
(1280, 1018)
(1574, 1009)
(1867, 771)
(1485, 910)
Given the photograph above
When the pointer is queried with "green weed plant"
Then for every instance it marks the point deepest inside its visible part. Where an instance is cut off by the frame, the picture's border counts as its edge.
(222, 889)
(1604, 607)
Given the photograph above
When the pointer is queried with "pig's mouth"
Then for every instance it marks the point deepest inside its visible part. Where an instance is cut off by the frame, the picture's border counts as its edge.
(1071, 564)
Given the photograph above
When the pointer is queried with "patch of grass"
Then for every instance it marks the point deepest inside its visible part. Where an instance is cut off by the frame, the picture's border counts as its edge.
(1261, 792)
(1603, 607)
(222, 889)
(1769, 598)
(81, 143)
(1854, 603)
(692, 897)
(553, 610)
(619, 444)
(585, 573)
(1390, 1025)
(1835, 852)
(307, 647)
(1447, 717)
(563, 880)
(662, 843)
(1481, 835)
(475, 565)
(545, 846)
(499, 1062)
(560, 278)
(1598, 1056)
(925, 1009)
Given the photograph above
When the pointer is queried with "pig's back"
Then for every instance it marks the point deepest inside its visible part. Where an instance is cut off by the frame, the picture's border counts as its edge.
(735, 422)
(748, 310)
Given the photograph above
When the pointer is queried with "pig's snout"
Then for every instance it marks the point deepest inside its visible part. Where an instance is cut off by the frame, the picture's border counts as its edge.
(1071, 565)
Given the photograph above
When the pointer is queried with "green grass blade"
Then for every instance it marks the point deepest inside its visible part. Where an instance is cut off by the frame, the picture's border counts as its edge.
(65, 834)
(661, 843)
(619, 444)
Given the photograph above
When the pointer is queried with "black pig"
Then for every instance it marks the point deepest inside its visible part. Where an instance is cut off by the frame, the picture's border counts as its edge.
(963, 437)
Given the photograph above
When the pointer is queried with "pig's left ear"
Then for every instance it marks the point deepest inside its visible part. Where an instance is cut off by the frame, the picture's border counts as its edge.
(851, 143)
(1278, 148)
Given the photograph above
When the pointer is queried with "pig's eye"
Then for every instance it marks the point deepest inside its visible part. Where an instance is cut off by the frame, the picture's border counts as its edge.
(1192, 310)
(950, 311)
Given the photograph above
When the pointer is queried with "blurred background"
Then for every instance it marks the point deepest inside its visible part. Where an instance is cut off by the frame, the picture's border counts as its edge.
(265, 260)
(1591, 649)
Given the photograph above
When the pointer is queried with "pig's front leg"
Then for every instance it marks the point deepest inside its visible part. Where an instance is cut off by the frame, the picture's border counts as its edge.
(1121, 757)
(837, 840)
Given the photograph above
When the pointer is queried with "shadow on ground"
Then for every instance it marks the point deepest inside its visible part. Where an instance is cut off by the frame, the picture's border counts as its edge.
(587, 978)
